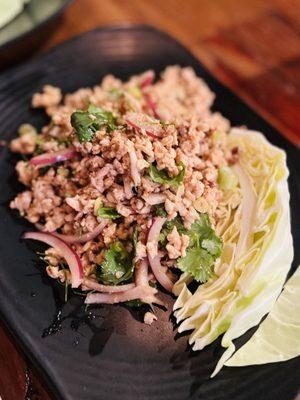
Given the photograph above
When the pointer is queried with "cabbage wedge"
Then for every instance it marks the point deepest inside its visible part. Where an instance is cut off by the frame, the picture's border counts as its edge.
(257, 250)
(278, 336)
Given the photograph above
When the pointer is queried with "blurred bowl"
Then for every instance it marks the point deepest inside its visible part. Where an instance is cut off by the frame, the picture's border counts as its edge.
(28, 30)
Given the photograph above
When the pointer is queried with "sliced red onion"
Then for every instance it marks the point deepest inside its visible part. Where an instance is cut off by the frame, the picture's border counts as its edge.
(147, 81)
(141, 273)
(85, 237)
(90, 284)
(147, 293)
(133, 163)
(154, 198)
(151, 104)
(158, 270)
(160, 274)
(142, 122)
(148, 78)
(54, 157)
(65, 251)
(142, 279)
(154, 231)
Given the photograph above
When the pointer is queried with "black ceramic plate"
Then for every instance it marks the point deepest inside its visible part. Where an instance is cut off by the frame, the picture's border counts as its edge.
(108, 353)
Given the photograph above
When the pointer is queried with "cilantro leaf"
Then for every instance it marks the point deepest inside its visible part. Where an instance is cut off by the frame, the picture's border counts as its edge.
(83, 125)
(198, 263)
(168, 227)
(203, 250)
(103, 117)
(213, 245)
(159, 210)
(117, 266)
(199, 230)
(134, 303)
(86, 123)
(107, 212)
(162, 177)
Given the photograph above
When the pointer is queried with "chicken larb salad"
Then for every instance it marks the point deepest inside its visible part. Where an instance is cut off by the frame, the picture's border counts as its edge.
(137, 186)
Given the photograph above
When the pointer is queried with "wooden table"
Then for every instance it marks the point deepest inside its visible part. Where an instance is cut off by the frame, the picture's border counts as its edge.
(253, 46)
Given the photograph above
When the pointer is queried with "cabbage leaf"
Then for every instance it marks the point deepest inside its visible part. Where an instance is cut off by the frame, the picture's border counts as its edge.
(278, 336)
(257, 250)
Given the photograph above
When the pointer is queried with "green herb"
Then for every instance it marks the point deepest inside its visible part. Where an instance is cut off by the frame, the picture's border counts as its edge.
(62, 140)
(162, 177)
(204, 246)
(25, 157)
(213, 245)
(198, 263)
(108, 213)
(82, 293)
(117, 266)
(87, 123)
(168, 227)
(159, 210)
(134, 303)
(201, 231)
(203, 250)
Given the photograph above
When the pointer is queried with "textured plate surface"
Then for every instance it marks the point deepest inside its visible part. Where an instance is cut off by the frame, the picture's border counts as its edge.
(109, 354)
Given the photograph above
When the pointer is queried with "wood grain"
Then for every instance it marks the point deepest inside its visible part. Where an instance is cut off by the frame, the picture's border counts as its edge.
(252, 46)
